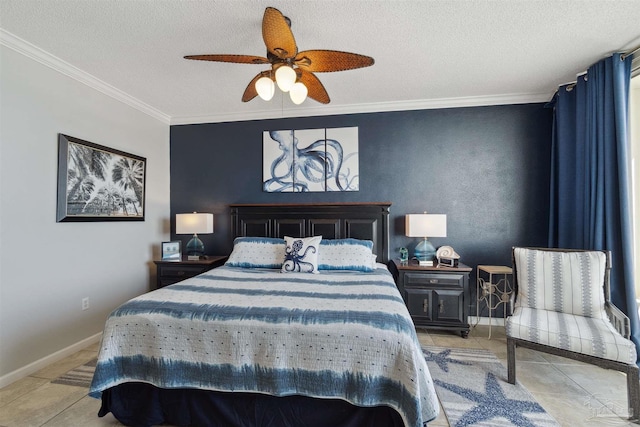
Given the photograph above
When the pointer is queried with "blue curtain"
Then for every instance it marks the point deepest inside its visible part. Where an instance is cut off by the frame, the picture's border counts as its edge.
(590, 191)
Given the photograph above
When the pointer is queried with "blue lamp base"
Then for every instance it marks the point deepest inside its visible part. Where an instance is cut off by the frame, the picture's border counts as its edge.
(425, 252)
(195, 248)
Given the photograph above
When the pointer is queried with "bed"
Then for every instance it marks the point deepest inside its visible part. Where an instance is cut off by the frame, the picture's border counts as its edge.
(269, 342)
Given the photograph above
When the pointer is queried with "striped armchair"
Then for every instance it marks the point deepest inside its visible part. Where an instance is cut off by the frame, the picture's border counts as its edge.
(562, 307)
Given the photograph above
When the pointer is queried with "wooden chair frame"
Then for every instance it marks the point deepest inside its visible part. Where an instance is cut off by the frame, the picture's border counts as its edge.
(618, 319)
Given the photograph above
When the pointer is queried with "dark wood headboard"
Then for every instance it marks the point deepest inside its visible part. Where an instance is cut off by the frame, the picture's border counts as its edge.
(366, 221)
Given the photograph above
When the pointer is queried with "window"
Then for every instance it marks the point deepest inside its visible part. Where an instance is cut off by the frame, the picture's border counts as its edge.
(634, 114)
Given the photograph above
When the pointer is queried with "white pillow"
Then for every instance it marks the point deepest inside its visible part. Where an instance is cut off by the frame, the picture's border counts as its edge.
(301, 254)
(256, 252)
(347, 254)
(566, 282)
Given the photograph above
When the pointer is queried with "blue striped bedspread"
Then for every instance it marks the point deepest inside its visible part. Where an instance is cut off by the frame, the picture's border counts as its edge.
(343, 335)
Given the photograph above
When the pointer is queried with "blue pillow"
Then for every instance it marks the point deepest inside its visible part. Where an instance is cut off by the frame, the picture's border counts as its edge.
(256, 252)
(346, 254)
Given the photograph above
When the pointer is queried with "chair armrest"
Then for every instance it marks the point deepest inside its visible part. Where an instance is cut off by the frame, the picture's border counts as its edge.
(618, 319)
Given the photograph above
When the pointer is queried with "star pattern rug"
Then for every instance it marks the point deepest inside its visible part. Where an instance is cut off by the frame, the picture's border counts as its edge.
(80, 376)
(473, 390)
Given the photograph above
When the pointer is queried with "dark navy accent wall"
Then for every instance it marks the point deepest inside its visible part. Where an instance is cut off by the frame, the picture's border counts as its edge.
(487, 168)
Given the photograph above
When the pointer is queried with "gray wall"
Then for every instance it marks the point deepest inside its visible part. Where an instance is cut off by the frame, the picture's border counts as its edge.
(46, 268)
(487, 168)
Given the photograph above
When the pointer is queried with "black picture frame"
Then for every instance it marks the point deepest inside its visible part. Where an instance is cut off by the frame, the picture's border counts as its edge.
(172, 251)
(98, 183)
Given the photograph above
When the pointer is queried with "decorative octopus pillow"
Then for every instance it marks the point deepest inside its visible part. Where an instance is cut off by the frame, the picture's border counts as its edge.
(346, 254)
(256, 252)
(301, 254)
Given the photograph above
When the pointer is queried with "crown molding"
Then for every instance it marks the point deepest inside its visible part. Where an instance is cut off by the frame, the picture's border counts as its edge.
(31, 51)
(377, 107)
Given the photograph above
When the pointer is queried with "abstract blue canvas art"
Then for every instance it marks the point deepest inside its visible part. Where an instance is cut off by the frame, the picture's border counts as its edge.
(311, 160)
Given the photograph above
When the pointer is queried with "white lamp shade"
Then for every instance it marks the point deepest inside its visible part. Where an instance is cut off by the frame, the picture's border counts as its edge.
(298, 93)
(265, 88)
(426, 225)
(285, 77)
(194, 223)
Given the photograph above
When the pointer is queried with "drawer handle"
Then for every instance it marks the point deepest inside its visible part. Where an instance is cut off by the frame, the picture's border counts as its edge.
(181, 273)
(441, 305)
(425, 305)
(433, 280)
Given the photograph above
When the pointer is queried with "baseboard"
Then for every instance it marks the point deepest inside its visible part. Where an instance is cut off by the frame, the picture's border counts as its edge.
(25, 371)
(473, 320)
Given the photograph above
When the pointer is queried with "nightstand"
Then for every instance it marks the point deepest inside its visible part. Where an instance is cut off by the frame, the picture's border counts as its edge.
(170, 272)
(437, 297)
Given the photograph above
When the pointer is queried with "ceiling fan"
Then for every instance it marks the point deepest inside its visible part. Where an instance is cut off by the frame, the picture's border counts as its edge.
(291, 70)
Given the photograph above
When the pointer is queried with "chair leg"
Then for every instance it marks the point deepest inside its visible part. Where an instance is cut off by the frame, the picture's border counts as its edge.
(633, 393)
(511, 360)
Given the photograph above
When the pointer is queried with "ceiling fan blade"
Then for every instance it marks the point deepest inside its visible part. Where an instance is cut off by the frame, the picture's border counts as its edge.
(314, 86)
(251, 92)
(240, 59)
(331, 60)
(277, 34)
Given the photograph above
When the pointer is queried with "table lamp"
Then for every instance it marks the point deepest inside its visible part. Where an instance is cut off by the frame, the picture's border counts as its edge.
(425, 225)
(195, 223)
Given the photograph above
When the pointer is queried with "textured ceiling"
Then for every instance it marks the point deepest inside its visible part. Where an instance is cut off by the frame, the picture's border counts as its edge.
(430, 53)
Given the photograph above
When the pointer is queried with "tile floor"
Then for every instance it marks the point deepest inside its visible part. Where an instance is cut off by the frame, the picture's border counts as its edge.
(575, 394)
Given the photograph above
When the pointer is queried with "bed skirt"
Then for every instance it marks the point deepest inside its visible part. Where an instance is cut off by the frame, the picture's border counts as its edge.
(141, 404)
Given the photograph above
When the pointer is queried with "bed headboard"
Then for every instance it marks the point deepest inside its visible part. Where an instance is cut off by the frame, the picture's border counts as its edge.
(366, 221)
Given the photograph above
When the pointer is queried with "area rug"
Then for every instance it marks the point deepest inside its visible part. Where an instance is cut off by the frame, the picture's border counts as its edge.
(473, 390)
(80, 376)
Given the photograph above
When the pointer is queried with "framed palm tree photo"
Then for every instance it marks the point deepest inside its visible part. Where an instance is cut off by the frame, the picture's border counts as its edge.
(97, 183)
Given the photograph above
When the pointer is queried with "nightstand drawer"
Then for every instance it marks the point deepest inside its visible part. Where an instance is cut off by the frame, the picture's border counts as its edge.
(433, 279)
(181, 271)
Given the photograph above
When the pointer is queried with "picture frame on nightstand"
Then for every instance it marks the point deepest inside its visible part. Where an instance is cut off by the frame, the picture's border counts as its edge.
(172, 251)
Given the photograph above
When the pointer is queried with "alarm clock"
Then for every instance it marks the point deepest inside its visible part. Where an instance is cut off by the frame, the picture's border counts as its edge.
(447, 257)
(448, 262)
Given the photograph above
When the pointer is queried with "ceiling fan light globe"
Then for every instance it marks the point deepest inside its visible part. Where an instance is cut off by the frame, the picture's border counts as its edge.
(265, 88)
(285, 77)
(298, 93)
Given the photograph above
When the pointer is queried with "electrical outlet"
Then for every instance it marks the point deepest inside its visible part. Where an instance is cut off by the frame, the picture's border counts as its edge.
(85, 303)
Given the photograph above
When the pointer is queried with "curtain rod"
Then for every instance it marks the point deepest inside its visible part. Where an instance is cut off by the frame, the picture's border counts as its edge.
(630, 53)
(570, 85)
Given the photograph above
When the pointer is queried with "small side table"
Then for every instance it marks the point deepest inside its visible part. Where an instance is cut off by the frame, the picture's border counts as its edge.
(437, 297)
(170, 272)
(493, 293)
